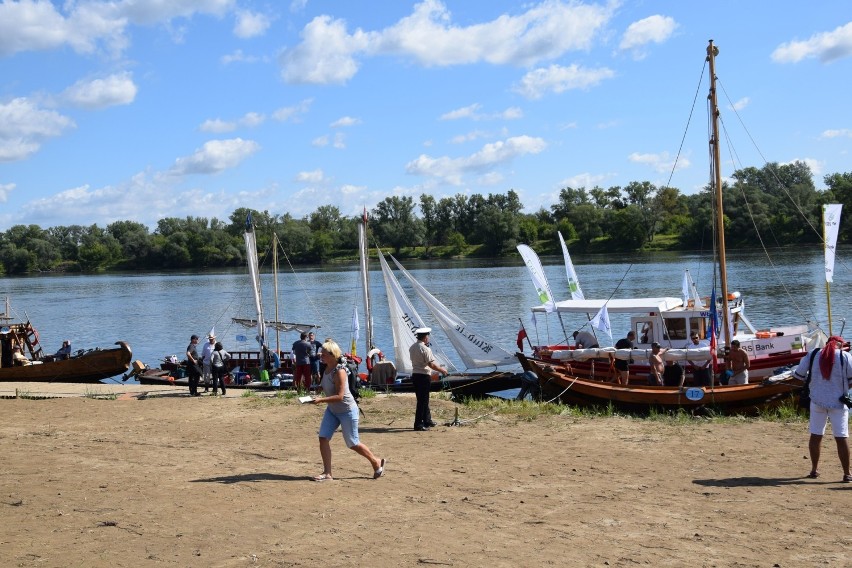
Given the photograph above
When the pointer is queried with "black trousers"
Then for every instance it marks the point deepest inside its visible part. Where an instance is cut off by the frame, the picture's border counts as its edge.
(422, 384)
(219, 376)
(193, 382)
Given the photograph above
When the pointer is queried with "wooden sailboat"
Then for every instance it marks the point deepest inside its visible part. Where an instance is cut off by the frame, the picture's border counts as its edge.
(474, 350)
(586, 376)
(82, 366)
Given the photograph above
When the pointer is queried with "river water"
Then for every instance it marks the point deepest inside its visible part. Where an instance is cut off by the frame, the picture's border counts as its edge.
(157, 312)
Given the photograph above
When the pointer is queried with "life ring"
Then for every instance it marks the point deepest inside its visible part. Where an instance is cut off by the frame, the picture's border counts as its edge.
(35, 336)
(373, 353)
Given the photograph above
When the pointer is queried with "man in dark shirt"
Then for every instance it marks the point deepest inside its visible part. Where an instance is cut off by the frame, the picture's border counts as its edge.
(623, 365)
(302, 363)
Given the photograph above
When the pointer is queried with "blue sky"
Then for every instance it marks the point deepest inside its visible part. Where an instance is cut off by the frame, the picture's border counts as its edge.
(144, 109)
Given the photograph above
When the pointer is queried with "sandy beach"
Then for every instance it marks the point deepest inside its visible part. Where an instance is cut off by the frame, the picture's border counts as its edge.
(107, 476)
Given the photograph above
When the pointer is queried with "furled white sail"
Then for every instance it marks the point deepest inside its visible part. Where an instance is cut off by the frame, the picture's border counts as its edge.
(542, 288)
(365, 283)
(254, 274)
(573, 281)
(403, 317)
(831, 223)
(474, 350)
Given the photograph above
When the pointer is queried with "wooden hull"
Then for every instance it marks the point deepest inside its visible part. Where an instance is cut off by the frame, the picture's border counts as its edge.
(735, 399)
(89, 367)
(463, 384)
(603, 369)
(472, 385)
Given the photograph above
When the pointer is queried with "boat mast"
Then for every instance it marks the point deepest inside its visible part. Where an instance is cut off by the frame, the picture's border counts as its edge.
(712, 52)
(275, 280)
(254, 274)
(365, 284)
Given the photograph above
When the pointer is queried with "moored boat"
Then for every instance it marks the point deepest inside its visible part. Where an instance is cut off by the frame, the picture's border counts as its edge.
(80, 366)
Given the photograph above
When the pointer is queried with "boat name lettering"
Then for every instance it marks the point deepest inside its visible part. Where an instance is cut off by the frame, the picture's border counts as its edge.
(484, 345)
(406, 319)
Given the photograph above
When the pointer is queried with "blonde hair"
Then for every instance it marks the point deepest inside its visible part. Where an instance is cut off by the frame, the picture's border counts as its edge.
(331, 346)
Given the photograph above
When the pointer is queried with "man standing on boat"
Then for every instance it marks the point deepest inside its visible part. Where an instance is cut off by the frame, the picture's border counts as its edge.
(623, 365)
(830, 371)
(700, 369)
(316, 356)
(422, 360)
(738, 363)
(658, 367)
(206, 354)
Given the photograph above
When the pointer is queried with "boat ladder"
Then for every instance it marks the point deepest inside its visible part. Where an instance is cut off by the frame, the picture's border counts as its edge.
(32, 342)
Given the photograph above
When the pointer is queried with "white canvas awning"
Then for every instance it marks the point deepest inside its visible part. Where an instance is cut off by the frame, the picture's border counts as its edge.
(622, 306)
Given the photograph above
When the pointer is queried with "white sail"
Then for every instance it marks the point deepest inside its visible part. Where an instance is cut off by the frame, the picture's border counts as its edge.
(831, 224)
(474, 350)
(254, 274)
(573, 281)
(542, 288)
(403, 317)
(365, 284)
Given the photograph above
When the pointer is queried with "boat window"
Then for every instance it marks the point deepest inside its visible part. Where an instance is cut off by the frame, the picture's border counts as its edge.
(644, 331)
(676, 328)
(696, 326)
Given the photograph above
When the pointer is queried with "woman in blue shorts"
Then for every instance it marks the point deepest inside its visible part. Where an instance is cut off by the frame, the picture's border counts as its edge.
(342, 410)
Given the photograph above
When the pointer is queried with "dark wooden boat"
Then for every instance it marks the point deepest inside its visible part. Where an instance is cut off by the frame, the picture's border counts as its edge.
(82, 366)
(557, 382)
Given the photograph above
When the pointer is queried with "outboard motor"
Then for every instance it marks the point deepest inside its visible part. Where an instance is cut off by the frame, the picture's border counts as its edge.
(529, 386)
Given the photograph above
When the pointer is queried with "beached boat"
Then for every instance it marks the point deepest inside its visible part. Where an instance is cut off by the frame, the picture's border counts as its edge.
(475, 350)
(80, 366)
(588, 376)
(559, 382)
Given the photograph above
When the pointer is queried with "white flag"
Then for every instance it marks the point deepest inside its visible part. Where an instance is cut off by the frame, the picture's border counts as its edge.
(356, 327)
(601, 321)
(542, 288)
(573, 282)
(831, 225)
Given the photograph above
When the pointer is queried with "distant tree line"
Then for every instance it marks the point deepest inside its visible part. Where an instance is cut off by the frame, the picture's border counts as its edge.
(779, 203)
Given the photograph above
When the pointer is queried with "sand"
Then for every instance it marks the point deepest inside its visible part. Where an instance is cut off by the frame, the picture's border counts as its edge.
(156, 478)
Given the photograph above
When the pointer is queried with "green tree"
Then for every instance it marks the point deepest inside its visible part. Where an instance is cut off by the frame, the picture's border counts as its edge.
(395, 224)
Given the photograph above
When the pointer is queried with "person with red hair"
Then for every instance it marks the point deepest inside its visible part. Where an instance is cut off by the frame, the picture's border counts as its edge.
(830, 379)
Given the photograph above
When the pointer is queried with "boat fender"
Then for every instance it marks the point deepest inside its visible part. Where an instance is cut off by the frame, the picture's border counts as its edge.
(370, 361)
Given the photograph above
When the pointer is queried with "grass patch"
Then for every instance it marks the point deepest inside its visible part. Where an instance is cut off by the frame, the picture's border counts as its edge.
(521, 409)
(97, 394)
(367, 393)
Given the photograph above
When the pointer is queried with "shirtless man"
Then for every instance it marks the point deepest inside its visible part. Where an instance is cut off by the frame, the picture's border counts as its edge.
(738, 363)
(655, 359)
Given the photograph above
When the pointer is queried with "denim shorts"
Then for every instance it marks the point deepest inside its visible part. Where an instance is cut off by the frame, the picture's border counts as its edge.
(348, 422)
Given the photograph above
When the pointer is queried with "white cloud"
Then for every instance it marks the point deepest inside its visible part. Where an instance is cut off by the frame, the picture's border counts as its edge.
(491, 155)
(292, 113)
(585, 179)
(816, 166)
(320, 141)
(339, 141)
(345, 121)
(741, 104)
(315, 176)
(464, 112)
(33, 25)
(24, 127)
(653, 29)
(118, 89)
(471, 112)
(661, 162)
(839, 133)
(558, 79)
(251, 24)
(825, 46)
(238, 57)
(298, 5)
(328, 53)
(491, 178)
(473, 135)
(218, 126)
(215, 156)
(5, 190)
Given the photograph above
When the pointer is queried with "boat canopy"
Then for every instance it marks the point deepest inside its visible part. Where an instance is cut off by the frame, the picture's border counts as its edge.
(622, 306)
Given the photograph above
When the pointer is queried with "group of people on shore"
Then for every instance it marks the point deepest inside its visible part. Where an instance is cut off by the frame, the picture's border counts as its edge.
(209, 366)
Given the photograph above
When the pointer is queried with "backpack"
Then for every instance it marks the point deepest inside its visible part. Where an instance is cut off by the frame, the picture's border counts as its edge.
(352, 379)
